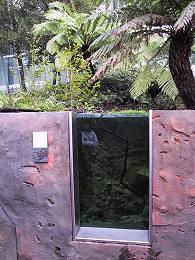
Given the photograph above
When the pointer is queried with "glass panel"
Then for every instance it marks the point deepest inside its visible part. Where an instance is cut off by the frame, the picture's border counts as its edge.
(113, 158)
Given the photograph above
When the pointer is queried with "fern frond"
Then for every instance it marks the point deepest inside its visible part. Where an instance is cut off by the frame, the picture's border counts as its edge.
(103, 51)
(157, 74)
(142, 82)
(129, 48)
(53, 44)
(129, 32)
(167, 84)
(100, 21)
(47, 28)
(186, 18)
(102, 39)
(62, 7)
(79, 19)
(53, 15)
(111, 62)
(161, 50)
(149, 20)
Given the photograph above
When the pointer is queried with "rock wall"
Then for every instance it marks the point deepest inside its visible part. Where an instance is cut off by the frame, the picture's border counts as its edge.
(35, 201)
(174, 185)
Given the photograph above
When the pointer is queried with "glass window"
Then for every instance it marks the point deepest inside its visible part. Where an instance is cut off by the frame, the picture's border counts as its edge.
(111, 184)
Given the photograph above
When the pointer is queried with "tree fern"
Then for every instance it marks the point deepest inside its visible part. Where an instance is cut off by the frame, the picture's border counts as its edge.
(104, 38)
(133, 31)
(83, 27)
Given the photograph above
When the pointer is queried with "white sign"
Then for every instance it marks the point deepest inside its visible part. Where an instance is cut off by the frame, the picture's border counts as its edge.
(40, 140)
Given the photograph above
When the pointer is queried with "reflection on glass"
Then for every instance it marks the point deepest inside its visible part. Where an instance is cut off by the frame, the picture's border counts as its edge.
(113, 158)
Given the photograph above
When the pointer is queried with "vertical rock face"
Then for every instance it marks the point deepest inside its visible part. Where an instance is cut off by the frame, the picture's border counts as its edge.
(35, 198)
(174, 184)
(35, 218)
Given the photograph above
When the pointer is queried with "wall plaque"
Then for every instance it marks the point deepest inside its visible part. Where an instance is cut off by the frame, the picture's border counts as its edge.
(40, 147)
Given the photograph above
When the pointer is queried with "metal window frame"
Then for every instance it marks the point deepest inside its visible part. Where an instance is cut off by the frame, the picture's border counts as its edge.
(97, 234)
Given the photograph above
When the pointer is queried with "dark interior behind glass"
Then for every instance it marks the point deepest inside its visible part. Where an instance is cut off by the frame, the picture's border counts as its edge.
(113, 166)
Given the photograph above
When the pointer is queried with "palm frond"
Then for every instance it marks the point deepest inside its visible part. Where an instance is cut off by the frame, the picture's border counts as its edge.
(186, 18)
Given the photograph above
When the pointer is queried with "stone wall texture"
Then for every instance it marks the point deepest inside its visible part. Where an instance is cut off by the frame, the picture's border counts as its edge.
(174, 185)
(35, 198)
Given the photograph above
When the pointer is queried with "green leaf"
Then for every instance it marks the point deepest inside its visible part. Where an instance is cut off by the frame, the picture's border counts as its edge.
(53, 44)
(46, 28)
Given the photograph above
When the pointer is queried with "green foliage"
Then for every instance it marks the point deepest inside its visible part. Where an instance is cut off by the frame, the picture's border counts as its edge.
(78, 88)
(133, 79)
(61, 21)
(151, 63)
(118, 81)
(130, 112)
(70, 35)
(69, 29)
(161, 102)
(17, 19)
(48, 98)
(161, 76)
(75, 94)
(7, 100)
(115, 45)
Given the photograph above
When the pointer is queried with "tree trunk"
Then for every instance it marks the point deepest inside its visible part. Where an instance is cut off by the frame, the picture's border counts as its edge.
(21, 74)
(54, 78)
(21, 70)
(180, 67)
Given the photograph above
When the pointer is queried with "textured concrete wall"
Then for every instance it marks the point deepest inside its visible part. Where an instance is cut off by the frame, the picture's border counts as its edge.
(174, 184)
(35, 203)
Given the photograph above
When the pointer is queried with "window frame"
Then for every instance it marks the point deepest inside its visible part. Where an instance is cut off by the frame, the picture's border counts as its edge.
(97, 234)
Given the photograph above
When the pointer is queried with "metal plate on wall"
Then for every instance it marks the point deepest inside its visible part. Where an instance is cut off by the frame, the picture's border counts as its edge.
(40, 155)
